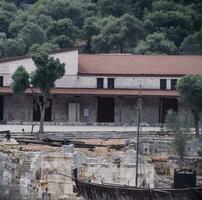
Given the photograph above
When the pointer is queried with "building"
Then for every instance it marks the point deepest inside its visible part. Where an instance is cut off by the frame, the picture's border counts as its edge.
(101, 88)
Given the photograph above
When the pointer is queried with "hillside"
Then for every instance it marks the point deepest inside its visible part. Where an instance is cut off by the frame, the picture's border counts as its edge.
(97, 26)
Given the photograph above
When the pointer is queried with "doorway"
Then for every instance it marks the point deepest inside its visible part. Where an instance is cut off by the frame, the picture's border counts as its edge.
(1, 108)
(105, 109)
(165, 105)
(36, 111)
(73, 112)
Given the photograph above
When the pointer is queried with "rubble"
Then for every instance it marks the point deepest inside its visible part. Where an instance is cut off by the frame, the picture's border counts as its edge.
(28, 170)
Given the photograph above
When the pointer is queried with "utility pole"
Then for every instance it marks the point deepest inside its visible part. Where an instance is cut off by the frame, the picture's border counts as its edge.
(139, 109)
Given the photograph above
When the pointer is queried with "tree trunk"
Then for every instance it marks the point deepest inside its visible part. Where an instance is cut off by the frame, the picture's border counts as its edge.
(41, 128)
(89, 46)
(196, 125)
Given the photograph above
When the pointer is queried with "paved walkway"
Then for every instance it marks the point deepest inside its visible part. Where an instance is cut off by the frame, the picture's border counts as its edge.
(74, 128)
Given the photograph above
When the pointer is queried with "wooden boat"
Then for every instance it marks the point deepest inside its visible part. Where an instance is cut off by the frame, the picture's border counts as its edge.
(94, 191)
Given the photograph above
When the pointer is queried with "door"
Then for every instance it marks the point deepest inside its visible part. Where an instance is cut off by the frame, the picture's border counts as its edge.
(105, 109)
(1, 108)
(165, 105)
(73, 112)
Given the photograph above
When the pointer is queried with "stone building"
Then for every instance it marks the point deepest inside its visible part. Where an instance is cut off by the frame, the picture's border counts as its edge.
(101, 88)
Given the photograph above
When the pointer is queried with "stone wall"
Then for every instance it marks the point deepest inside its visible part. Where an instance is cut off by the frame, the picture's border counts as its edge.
(21, 109)
(18, 108)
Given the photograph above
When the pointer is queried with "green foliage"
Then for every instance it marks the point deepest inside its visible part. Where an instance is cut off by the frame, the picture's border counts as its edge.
(156, 43)
(14, 47)
(103, 25)
(190, 88)
(114, 7)
(179, 125)
(48, 47)
(32, 34)
(62, 27)
(20, 80)
(118, 34)
(90, 29)
(192, 45)
(48, 70)
(170, 18)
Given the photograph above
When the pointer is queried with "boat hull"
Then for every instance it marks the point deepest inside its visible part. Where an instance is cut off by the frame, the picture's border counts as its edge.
(93, 191)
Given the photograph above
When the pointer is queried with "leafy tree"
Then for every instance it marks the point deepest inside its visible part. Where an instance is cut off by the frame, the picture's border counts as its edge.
(10, 7)
(14, 47)
(140, 6)
(48, 47)
(20, 80)
(6, 18)
(44, 21)
(179, 125)
(48, 70)
(62, 32)
(76, 10)
(114, 7)
(16, 26)
(190, 88)
(156, 43)
(2, 44)
(118, 34)
(32, 34)
(90, 29)
(192, 44)
(172, 19)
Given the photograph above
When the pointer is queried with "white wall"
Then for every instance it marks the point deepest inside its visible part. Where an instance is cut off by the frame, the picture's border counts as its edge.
(69, 58)
(120, 82)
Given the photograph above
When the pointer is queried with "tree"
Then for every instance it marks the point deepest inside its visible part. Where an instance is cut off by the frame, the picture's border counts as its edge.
(190, 89)
(14, 47)
(62, 32)
(2, 44)
(114, 7)
(170, 18)
(156, 43)
(32, 34)
(192, 45)
(90, 29)
(48, 47)
(180, 125)
(6, 18)
(118, 34)
(48, 70)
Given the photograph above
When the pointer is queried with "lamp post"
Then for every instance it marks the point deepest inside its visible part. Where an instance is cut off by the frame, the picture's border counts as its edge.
(139, 109)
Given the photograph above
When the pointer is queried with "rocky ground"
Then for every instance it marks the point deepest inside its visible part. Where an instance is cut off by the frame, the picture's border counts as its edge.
(26, 170)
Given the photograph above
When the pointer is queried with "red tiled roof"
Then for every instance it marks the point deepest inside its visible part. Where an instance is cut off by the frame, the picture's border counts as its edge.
(128, 64)
(102, 92)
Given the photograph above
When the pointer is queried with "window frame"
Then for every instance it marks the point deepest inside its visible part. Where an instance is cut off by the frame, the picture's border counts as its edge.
(110, 85)
(163, 85)
(100, 85)
(1, 81)
(173, 84)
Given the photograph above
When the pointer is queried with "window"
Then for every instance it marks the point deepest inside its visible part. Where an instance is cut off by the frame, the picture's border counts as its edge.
(173, 84)
(110, 83)
(163, 84)
(100, 82)
(1, 81)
